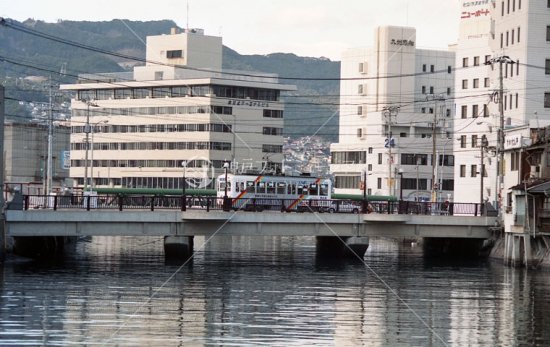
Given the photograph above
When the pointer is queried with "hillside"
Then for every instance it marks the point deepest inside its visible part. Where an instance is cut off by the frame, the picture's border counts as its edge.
(307, 108)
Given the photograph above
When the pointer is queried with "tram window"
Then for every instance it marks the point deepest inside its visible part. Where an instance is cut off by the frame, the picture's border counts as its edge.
(281, 188)
(324, 189)
(270, 188)
(313, 189)
(229, 185)
(260, 188)
(291, 189)
(305, 190)
(250, 186)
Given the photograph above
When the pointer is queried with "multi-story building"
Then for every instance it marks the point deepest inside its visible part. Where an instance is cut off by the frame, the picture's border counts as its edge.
(395, 119)
(513, 37)
(26, 157)
(179, 115)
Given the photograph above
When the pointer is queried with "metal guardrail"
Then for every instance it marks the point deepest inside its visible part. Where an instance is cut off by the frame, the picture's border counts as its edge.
(207, 203)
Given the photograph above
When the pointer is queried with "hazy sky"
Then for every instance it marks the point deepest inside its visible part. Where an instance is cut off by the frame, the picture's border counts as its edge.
(305, 27)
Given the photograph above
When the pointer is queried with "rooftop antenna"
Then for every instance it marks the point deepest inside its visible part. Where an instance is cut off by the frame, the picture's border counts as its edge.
(187, 24)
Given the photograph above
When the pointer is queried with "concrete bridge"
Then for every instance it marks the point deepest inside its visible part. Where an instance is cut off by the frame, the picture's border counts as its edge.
(440, 232)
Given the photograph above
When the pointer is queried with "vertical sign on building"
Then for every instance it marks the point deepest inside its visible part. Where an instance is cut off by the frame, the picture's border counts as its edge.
(65, 160)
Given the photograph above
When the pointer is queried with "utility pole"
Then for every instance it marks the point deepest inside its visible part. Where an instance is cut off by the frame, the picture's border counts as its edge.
(482, 171)
(389, 112)
(49, 171)
(434, 146)
(2, 216)
(504, 59)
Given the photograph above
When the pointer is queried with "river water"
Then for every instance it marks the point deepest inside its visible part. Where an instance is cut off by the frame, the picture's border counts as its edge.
(245, 291)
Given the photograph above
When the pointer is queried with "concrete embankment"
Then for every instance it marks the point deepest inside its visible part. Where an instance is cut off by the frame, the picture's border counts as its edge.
(522, 250)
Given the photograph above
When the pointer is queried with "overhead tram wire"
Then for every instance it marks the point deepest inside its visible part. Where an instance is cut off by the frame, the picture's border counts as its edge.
(9, 24)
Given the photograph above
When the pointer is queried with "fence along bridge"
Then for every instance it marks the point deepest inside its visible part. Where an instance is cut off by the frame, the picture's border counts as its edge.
(178, 219)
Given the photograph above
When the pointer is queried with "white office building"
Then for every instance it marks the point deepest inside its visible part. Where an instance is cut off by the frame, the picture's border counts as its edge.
(516, 33)
(180, 114)
(396, 105)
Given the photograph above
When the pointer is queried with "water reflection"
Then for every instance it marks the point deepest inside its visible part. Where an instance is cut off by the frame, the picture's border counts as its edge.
(267, 291)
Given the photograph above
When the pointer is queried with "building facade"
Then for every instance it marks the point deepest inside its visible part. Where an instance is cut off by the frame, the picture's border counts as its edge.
(178, 116)
(511, 90)
(26, 153)
(395, 119)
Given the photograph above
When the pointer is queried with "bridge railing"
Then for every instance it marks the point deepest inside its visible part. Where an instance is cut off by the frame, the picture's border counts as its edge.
(207, 203)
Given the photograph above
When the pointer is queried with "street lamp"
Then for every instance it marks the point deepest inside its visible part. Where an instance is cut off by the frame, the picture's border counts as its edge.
(226, 202)
(105, 121)
(87, 132)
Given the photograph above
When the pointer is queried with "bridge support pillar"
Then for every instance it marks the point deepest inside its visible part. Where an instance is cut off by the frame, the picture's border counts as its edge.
(343, 247)
(178, 247)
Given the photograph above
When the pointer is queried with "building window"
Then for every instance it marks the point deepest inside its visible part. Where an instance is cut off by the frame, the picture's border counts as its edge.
(517, 100)
(379, 183)
(507, 38)
(423, 89)
(379, 158)
(487, 58)
(431, 90)
(423, 110)
(473, 171)
(347, 182)
(517, 67)
(464, 62)
(449, 69)
(518, 34)
(272, 148)
(486, 82)
(448, 112)
(359, 132)
(476, 83)
(474, 141)
(464, 84)
(485, 110)
(513, 35)
(370, 150)
(464, 112)
(354, 157)
(476, 61)
(360, 110)
(414, 159)
(546, 100)
(501, 40)
(475, 111)
(272, 131)
(448, 91)
(423, 67)
(174, 54)
(432, 68)
(548, 33)
(462, 170)
(272, 113)
(360, 89)
(547, 65)
(463, 141)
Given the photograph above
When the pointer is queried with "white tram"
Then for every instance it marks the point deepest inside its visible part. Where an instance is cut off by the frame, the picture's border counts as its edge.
(260, 192)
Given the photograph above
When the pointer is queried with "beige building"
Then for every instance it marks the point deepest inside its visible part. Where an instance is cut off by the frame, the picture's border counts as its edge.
(180, 109)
